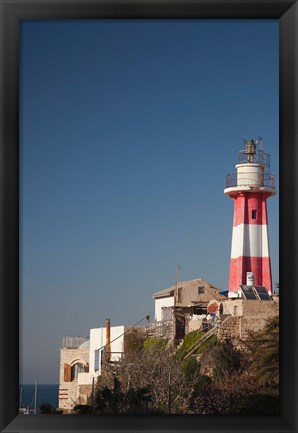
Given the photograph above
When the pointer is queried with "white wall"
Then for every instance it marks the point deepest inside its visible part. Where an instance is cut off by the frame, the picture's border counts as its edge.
(98, 340)
(162, 302)
(83, 379)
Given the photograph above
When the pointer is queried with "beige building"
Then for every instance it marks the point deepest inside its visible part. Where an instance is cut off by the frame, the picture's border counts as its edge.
(74, 385)
(181, 308)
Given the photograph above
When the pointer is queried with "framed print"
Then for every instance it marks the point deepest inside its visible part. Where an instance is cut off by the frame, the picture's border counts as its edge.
(120, 123)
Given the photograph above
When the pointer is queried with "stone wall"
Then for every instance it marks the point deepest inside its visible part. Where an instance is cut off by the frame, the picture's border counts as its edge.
(69, 391)
(260, 309)
(251, 308)
(253, 318)
(229, 329)
(84, 392)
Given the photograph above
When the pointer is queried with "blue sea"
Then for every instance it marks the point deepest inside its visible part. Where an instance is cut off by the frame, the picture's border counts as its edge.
(45, 394)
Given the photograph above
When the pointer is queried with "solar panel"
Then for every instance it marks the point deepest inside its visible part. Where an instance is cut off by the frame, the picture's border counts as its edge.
(248, 292)
(263, 294)
(261, 289)
(264, 297)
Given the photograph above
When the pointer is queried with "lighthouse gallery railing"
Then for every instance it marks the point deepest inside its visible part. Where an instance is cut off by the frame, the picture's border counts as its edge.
(267, 181)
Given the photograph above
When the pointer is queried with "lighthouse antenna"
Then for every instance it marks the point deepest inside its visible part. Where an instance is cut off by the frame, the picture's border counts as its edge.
(260, 143)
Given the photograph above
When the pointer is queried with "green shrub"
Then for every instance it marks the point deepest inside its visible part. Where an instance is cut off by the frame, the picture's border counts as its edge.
(154, 342)
(188, 341)
(206, 345)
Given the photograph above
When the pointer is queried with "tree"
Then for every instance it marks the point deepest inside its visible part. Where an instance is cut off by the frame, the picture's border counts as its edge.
(82, 409)
(46, 408)
(116, 401)
(264, 347)
(228, 395)
(154, 381)
(219, 360)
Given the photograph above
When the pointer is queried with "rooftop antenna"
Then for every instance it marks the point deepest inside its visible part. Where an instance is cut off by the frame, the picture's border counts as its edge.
(177, 274)
(260, 143)
(177, 280)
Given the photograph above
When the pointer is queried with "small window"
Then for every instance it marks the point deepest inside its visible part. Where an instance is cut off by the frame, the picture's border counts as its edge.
(253, 214)
(76, 369)
(201, 289)
(96, 360)
(166, 313)
(200, 310)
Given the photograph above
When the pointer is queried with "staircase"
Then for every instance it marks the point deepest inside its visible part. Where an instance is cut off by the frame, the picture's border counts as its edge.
(204, 337)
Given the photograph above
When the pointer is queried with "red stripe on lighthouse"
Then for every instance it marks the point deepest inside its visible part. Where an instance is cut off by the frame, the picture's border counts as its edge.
(260, 266)
(250, 208)
(250, 249)
(250, 187)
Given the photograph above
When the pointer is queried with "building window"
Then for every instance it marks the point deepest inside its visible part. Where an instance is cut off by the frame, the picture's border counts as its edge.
(97, 359)
(167, 313)
(253, 214)
(201, 289)
(200, 310)
(76, 369)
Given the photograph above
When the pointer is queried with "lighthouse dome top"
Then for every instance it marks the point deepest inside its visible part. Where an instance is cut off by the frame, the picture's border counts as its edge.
(253, 152)
(252, 170)
(250, 147)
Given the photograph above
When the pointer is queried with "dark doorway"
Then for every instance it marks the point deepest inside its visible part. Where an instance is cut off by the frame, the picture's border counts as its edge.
(180, 327)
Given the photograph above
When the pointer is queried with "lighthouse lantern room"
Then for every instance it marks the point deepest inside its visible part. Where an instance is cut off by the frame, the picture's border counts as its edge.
(249, 188)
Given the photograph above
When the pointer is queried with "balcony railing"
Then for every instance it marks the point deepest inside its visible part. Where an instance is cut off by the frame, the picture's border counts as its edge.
(267, 181)
(162, 328)
(259, 158)
(73, 342)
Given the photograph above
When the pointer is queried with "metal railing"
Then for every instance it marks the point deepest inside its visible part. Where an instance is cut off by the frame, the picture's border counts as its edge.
(213, 328)
(162, 328)
(258, 158)
(268, 180)
(73, 342)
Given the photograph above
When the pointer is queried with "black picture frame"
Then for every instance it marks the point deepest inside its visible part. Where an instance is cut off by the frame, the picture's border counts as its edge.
(13, 11)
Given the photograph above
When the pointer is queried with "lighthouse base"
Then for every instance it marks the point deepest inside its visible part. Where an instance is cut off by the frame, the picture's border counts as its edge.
(240, 266)
(251, 293)
(235, 294)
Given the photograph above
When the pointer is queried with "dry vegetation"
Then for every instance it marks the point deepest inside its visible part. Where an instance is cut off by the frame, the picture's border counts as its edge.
(155, 378)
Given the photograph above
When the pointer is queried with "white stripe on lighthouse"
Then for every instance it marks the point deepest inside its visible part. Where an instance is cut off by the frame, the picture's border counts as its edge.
(250, 240)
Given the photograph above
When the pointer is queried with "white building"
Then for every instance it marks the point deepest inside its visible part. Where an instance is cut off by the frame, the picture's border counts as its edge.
(98, 347)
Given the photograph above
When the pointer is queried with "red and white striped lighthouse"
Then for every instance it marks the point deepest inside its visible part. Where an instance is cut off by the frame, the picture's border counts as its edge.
(250, 187)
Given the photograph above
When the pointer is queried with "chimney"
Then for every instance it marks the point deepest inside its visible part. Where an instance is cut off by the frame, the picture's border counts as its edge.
(108, 340)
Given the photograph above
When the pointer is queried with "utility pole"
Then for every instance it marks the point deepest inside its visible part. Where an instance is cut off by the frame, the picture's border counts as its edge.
(176, 300)
(35, 398)
(177, 281)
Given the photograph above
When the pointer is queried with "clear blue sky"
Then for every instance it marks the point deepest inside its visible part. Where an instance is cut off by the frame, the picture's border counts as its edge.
(127, 131)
